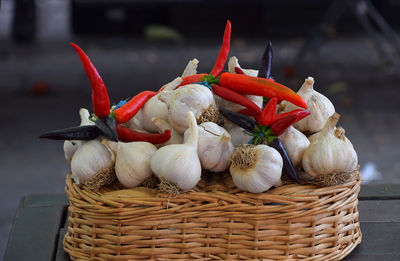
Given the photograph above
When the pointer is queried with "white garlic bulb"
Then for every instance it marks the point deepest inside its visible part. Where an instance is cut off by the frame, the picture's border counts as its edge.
(319, 106)
(179, 163)
(93, 165)
(163, 125)
(256, 168)
(214, 146)
(295, 144)
(132, 163)
(191, 68)
(239, 136)
(192, 97)
(70, 146)
(331, 152)
(156, 107)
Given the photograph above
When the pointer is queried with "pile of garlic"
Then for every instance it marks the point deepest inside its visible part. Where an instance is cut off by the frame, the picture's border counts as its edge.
(202, 141)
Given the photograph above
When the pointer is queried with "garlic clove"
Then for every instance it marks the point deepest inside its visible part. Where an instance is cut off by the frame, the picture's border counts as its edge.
(319, 106)
(295, 144)
(93, 165)
(132, 164)
(179, 163)
(256, 168)
(331, 152)
(191, 68)
(214, 146)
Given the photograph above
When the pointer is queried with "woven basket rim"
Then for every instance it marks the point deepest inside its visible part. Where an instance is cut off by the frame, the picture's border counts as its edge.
(116, 196)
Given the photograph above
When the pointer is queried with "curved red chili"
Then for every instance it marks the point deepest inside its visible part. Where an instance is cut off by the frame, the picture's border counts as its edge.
(129, 109)
(223, 53)
(128, 135)
(280, 125)
(259, 86)
(269, 111)
(300, 114)
(236, 98)
(100, 99)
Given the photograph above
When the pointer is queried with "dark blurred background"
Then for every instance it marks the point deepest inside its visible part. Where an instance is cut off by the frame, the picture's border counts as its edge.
(351, 48)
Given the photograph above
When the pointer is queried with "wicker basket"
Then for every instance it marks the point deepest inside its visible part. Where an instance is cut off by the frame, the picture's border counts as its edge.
(214, 222)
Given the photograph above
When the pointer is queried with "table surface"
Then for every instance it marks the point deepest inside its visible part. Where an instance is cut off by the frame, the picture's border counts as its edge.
(40, 224)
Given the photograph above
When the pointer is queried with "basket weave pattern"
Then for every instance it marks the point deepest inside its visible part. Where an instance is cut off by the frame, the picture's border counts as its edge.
(214, 222)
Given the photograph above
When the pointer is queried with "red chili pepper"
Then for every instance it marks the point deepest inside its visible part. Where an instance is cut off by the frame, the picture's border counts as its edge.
(259, 86)
(129, 109)
(236, 98)
(280, 125)
(128, 135)
(192, 79)
(239, 70)
(223, 53)
(100, 100)
(300, 114)
(268, 114)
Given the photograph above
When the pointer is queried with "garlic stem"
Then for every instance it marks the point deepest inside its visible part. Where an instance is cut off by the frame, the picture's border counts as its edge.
(330, 124)
(194, 132)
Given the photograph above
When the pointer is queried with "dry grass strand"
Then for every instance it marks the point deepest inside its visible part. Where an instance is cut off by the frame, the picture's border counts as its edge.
(105, 177)
(211, 114)
(334, 179)
(167, 187)
(244, 157)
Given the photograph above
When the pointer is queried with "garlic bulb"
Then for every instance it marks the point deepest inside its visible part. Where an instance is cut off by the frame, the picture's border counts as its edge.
(319, 106)
(331, 152)
(239, 137)
(256, 168)
(295, 144)
(132, 163)
(93, 165)
(191, 68)
(214, 146)
(155, 107)
(70, 146)
(162, 125)
(192, 97)
(179, 163)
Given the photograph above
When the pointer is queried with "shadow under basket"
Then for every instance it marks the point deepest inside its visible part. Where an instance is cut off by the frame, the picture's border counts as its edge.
(215, 221)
